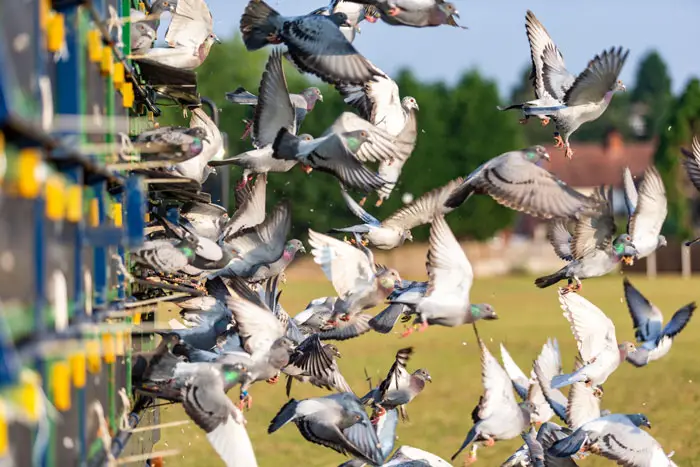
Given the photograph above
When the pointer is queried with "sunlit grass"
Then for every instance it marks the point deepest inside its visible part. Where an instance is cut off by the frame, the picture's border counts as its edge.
(666, 391)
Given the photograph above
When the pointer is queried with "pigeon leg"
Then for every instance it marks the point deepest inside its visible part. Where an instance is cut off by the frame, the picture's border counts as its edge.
(362, 201)
(545, 121)
(345, 317)
(378, 413)
(331, 323)
(393, 11)
(243, 182)
(569, 153)
(490, 442)
(248, 129)
(246, 401)
(598, 392)
(524, 120)
(579, 284)
(379, 202)
(409, 330)
(273, 380)
(306, 168)
(471, 456)
(423, 326)
(364, 242)
(559, 142)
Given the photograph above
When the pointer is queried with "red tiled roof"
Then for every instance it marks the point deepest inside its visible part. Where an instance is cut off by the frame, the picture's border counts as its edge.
(595, 164)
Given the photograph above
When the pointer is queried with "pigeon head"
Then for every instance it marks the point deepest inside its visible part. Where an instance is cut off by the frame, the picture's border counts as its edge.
(390, 279)
(340, 19)
(619, 86)
(639, 419)
(306, 137)
(407, 235)
(448, 9)
(626, 348)
(145, 30)
(529, 408)
(197, 132)
(409, 103)
(312, 95)
(624, 248)
(333, 350)
(284, 343)
(292, 247)
(159, 6)
(233, 373)
(535, 154)
(356, 138)
(483, 311)
(423, 375)
(662, 241)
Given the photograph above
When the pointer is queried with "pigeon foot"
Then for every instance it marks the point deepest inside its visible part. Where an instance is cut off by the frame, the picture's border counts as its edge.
(490, 442)
(364, 243)
(345, 318)
(330, 324)
(306, 168)
(244, 182)
(545, 121)
(248, 129)
(393, 11)
(245, 402)
(559, 142)
(628, 260)
(409, 331)
(423, 326)
(598, 392)
(569, 153)
(524, 121)
(379, 202)
(362, 201)
(378, 414)
(273, 380)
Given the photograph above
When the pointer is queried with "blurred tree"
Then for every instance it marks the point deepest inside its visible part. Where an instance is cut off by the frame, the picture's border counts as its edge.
(682, 124)
(652, 93)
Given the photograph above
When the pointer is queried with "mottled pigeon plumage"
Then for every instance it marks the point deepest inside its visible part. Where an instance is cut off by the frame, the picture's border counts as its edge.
(415, 13)
(647, 211)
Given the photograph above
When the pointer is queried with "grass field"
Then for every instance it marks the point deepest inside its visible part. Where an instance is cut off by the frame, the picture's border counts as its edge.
(666, 391)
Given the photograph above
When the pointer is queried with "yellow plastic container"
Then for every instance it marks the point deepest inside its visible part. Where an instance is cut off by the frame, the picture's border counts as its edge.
(4, 436)
(108, 347)
(118, 77)
(127, 95)
(94, 213)
(29, 181)
(60, 383)
(55, 31)
(117, 214)
(94, 361)
(74, 203)
(94, 45)
(55, 195)
(107, 62)
(78, 369)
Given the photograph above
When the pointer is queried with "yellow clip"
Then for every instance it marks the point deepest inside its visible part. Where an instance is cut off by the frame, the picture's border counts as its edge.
(118, 76)
(119, 343)
(94, 213)
(137, 318)
(94, 362)
(147, 218)
(55, 198)
(108, 347)
(4, 435)
(78, 369)
(44, 12)
(60, 383)
(142, 6)
(94, 43)
(107, 64)
(29, 183)
(117, 214)
(30, 400)
(74, 203)
(127, 95)
(55, 31)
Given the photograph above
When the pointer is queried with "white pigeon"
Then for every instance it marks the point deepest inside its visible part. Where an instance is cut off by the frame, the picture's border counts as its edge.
(647, 211)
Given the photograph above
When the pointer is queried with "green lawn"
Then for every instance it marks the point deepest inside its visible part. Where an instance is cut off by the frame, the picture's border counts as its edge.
(666, 391)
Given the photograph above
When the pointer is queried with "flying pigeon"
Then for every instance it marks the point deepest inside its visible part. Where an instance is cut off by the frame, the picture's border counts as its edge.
(337, 421)
(250, 208)
(189, 37)
(314, 362)
(516, 180)
(534, 452)
(396, 229)
(197, 167)
(617, 437)
(357, 280)
(446, 302)
(647, 211)
(591, 251)
(206, 403)
(174, 143)
(595, 337)
(497, 416)
(547, 366)
(314, 318)
(314, 42)
(144, 25)
(653, 337)
(398, 388)
(384, 321)
(569, 100)
(205, 219)
(691, 162)
(355, 13)
(415, 13)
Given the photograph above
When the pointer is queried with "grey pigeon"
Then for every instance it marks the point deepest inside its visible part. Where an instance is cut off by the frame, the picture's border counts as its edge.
(315, 42)
(396, 229)
(165, 256)
(653, 337)
(386, 432)
(617, 437)
(593, 250)
(314, 318)
(336, 421)
(516, 180)
(277, 268)
(355, 13)
(567, 99)
(174, 143)
(446, 302)
(595, 337)
(357, 280)
(250, 208)
(647, 211)
(385, 320)
(314, 362)
(691, 163)
(189, 37)
(546, 367)
(197, 168)
(142, 34)
(415, 13)
(408, 456)
(534, 452)
(398, 388)
(205, 218)
(378, 101)
(497, 416)
(534, 447)
(303, 103)
(208, 255)
(206, 403)
(204, 336)
(260, 245)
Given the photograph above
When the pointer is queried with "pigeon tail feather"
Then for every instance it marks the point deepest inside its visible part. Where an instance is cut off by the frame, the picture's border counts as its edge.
(559, 381)
(285, 415)
(510, 107)
(470, 437)
(257, 23)
(384, 322)
(285, 145)
(242, 96)
(547, 281)
(460, 195)
(568, 446)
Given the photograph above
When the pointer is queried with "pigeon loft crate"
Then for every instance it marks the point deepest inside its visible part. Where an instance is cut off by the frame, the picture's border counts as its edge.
(66, 219)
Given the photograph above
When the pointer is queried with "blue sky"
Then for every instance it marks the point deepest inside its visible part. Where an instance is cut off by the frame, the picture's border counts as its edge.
(495, 42)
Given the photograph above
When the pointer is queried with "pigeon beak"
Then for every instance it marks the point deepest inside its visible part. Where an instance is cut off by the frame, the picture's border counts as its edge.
(216, 38)
(397, 284)
(430, 380)
(357, 28)
(491, 317)
(320, 97)
(546, 156)
(647, 424)
(302, 249)
(456, 14)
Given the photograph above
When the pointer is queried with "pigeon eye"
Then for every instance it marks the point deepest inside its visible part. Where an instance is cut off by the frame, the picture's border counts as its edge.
(628, 238)
(165, 3)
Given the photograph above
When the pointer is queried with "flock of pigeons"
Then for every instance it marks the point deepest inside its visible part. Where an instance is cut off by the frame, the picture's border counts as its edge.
(237, 331)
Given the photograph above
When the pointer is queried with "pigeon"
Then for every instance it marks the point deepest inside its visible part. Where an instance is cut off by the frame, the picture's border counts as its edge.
(354, 12)
(204, 336)
(415, 13)
(497, 416)
(144, 25)
(396, 229)
(591, 251)
(303, 103)
(174, 143)
(206, 403)
(408, 456)
(529, 388)
(336, 421)
(547, 366)
(534, 452)
(314, 362)
(205, 219)
(647, 211)
(569, 100)
(277, 268)
(617, 437)
(259, 246)
(384, 321)
(583, 403)
(250, 209)
(398, 388)
(189, 37)
(314, 318)
(653, 337)
(595, 337)
(197, 168)
(516, 180)
(314, 42)
(357, 280)
(378, 102)
(446, 302)
(165, 256)
(691, 162)
(386, 432)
